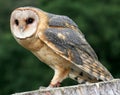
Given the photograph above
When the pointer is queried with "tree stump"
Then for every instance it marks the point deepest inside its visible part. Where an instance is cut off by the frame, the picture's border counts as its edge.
(102, 88)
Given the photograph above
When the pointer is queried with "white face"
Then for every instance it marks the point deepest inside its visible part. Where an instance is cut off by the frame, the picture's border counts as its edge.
(24, 23)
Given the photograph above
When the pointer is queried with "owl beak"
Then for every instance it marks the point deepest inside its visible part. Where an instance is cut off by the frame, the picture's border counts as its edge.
(21, 28)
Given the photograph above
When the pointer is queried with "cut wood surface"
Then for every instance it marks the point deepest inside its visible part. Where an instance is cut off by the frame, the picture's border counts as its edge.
(102, 88)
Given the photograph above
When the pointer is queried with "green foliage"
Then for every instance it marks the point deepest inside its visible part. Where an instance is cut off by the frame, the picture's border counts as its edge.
(98, 20)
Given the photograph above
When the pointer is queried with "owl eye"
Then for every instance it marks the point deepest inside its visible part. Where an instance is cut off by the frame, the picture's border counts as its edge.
(16, 22)
(29, 21)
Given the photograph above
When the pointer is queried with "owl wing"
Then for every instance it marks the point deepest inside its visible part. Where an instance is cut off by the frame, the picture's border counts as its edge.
(68, 25)
(67, 41)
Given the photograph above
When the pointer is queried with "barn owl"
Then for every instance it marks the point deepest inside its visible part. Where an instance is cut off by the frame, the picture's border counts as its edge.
(57, 41)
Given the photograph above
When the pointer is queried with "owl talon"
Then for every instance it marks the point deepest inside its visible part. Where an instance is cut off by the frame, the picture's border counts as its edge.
(58, 84)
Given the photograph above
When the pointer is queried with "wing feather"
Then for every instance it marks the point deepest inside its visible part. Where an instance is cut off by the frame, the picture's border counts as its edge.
(73, 41)
(60, 21)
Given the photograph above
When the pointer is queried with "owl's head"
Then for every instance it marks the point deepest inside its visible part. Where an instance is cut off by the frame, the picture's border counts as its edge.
(24, 22)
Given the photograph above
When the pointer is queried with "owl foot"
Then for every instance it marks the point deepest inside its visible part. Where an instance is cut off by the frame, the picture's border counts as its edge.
(55, 85)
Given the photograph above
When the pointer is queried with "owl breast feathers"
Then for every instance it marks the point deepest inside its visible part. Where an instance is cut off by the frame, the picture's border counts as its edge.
(57, 41)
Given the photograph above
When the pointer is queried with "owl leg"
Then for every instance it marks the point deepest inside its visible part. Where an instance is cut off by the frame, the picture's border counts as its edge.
(59, 76)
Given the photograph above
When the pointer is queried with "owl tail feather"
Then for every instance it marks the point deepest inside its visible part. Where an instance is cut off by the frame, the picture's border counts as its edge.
(82, 79)
(82, 76)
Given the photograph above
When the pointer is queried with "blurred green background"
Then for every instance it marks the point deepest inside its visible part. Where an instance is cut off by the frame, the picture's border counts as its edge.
(99, 20)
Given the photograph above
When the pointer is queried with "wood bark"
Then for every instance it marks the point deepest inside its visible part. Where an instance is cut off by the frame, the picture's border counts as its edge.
(102, 88)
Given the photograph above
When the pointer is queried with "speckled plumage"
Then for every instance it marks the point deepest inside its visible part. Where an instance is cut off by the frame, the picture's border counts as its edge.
(58, 42)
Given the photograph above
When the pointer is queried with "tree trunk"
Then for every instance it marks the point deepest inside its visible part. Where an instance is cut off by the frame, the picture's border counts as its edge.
(102, 88)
